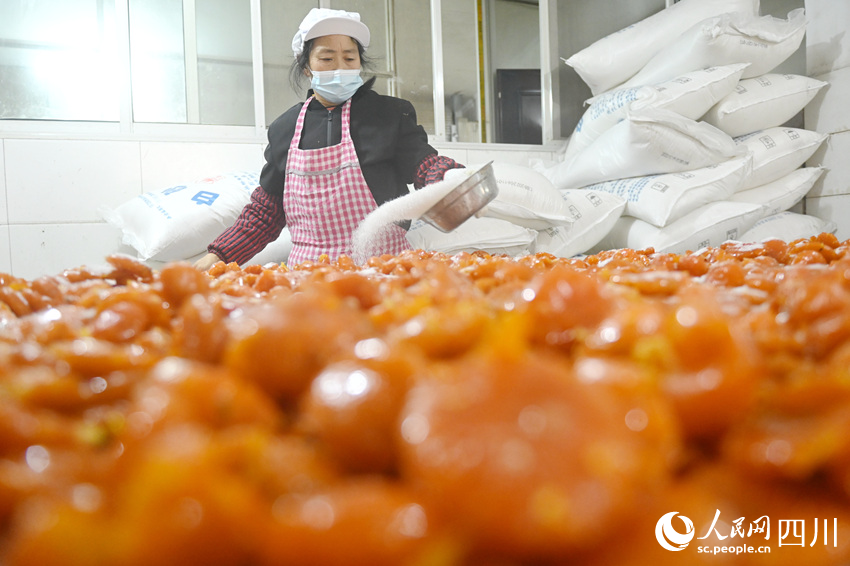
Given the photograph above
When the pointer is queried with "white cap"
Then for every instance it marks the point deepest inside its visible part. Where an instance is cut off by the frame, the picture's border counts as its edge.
(324, 21)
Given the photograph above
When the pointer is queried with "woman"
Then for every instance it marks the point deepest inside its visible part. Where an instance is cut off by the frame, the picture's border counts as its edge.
(333, 159)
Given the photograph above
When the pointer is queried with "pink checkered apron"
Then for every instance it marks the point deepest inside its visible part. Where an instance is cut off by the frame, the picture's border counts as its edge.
(325, 197)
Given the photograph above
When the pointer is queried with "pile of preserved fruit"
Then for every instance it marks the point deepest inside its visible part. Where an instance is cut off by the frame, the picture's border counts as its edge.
(628, 407)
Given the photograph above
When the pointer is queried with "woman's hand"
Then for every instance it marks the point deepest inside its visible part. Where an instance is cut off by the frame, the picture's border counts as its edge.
(207, 261)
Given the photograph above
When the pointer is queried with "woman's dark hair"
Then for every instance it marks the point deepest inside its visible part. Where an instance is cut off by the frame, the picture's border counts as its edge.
(302, 62)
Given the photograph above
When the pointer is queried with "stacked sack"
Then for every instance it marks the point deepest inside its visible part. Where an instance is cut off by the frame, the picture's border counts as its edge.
(528, 215)
(177, 223)
(685, 125)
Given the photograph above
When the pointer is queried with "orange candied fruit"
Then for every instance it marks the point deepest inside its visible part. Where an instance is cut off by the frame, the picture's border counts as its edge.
(426, 408)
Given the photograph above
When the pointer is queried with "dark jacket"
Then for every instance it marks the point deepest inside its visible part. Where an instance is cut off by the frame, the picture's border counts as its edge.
(390, 146)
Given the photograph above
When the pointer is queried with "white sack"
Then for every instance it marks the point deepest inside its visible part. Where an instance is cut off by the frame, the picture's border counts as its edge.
(762, 102)
(662, 199)
(787, 226)
(486, 234)
(690, 95)
(694, 93)
(526, 197)
(366, 239)
(763, 42)
(709, 225)
(778, 151)
(611, 60)
(594, 214)
(179, 222)
(783, 193)
(605, 111)
(275, 252)
(648, 142)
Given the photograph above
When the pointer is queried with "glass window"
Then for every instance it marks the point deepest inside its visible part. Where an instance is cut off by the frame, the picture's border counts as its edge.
(514, 72)
(157, 61)
(58, 60)
(491, 70)
(411, 57)
(280, 20)
(192, 63)
(225, 68)
(462, 62)
(377, 16)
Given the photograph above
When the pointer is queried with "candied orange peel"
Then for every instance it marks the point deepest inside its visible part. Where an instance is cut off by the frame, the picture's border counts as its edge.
(425, 408)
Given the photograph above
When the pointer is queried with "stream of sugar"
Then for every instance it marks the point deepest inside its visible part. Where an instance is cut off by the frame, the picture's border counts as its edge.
(365, 242)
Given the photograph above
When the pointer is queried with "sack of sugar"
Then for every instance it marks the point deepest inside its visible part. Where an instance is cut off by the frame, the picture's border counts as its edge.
(763, 42)
(648, 142)
(613, 59)
(691, 95)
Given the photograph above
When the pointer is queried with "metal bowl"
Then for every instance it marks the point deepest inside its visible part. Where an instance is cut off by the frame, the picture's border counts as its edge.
(464, 201)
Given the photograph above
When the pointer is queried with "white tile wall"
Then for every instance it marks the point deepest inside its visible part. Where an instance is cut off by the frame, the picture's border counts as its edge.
(56, 181)
(828, 111)
(827, 40)
(165, 164)
(51, 189)
(833, 156)
(5, 251)
(828, 59)
(40, 249)
(835, 208)
(4, 218)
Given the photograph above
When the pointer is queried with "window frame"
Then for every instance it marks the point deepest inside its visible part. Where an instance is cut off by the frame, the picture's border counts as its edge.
(126, 128)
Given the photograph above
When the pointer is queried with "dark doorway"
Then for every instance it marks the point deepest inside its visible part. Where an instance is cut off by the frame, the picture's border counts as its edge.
(518, 106)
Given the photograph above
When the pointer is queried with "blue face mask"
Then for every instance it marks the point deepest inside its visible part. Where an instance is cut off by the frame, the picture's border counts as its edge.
(336, 86)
